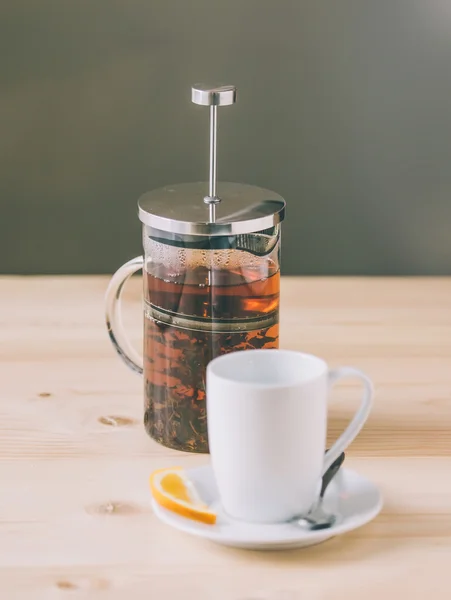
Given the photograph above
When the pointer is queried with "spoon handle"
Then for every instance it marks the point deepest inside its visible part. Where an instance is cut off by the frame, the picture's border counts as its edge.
(330, 473)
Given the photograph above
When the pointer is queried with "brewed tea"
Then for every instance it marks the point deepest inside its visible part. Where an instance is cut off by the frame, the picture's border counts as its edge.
(204, 314)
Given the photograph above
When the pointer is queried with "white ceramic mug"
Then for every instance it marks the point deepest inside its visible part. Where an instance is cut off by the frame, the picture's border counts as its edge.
(267, 425)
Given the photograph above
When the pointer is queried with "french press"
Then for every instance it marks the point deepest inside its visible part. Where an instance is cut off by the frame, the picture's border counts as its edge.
(211, 286)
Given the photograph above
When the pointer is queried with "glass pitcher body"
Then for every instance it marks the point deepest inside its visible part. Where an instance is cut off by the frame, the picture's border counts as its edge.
(202, 298)
(199, 304)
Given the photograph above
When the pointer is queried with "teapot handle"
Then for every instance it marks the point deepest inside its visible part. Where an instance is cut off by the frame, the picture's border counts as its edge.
(114, 324)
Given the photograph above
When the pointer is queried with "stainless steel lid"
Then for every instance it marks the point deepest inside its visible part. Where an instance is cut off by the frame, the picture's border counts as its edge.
(210, 208)
(181, 209)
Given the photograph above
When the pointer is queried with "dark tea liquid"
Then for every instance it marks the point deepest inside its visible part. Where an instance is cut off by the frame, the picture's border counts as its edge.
(205, 314)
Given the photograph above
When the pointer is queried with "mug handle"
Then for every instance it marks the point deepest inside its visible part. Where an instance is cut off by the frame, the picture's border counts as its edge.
(354, 427)
(113, 312)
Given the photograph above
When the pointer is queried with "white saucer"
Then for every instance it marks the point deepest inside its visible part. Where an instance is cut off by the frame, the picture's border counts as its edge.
(353, 498)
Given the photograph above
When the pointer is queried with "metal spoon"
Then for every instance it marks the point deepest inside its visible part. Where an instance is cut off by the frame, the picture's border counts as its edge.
(317, 517)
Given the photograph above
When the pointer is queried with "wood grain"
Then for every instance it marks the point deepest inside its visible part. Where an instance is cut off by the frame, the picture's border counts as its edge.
(75, 519)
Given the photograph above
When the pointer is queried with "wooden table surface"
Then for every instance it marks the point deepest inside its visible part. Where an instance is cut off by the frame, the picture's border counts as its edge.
(75, 518)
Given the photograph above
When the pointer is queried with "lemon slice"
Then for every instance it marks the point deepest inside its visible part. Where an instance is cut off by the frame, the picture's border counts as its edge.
(173, 490)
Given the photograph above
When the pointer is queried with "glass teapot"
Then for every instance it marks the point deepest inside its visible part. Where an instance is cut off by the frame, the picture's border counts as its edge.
(211, 274)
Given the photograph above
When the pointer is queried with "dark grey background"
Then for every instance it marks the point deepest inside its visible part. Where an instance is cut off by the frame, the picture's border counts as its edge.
(344, 109)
